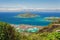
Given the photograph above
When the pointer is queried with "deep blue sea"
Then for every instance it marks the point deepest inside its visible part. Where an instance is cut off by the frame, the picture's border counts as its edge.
(38, 21)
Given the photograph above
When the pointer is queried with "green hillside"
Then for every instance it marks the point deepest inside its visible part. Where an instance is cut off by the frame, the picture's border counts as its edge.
(8, 32)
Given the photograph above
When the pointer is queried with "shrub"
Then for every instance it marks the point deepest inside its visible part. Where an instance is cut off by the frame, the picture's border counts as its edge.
(7, 32)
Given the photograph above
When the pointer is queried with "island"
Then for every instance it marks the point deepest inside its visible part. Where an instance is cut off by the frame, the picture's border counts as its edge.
(52, 18)
(27, 15)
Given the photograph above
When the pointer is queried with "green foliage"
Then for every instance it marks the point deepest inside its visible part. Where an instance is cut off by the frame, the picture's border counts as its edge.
(7, 32)
(41, 36)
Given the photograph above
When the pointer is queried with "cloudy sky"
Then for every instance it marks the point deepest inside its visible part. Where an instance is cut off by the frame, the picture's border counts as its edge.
(30, 4)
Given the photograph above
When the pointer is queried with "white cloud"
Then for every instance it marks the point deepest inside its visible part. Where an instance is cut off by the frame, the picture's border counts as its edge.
(29, 9)
(20, 7)
(16, 7)
(10, 9)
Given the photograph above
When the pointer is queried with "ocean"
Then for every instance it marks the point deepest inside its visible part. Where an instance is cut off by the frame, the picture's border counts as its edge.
(38, 21)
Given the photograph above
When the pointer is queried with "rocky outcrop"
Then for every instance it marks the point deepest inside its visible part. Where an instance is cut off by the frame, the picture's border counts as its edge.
(49, 28)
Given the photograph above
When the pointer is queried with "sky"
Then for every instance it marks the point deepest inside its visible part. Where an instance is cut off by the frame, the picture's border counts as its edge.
(43, 4)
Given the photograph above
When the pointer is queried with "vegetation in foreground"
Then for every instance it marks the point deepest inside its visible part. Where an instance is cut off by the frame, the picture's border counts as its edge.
(8, 32)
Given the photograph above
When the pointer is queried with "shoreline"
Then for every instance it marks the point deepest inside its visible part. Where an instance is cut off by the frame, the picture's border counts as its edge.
(23, 26)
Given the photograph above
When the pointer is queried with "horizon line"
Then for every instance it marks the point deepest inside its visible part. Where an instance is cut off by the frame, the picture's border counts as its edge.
(29, 9)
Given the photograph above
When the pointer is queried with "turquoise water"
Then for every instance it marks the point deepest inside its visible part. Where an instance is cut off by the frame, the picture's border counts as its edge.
(38, 21)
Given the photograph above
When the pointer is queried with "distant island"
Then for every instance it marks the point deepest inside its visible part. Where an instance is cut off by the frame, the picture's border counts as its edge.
(27, 15)
(52, 18)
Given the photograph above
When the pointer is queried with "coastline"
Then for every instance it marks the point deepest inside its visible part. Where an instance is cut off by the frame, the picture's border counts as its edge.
(25, 27)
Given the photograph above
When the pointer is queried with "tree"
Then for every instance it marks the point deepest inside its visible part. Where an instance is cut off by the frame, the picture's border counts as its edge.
(7, 32)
